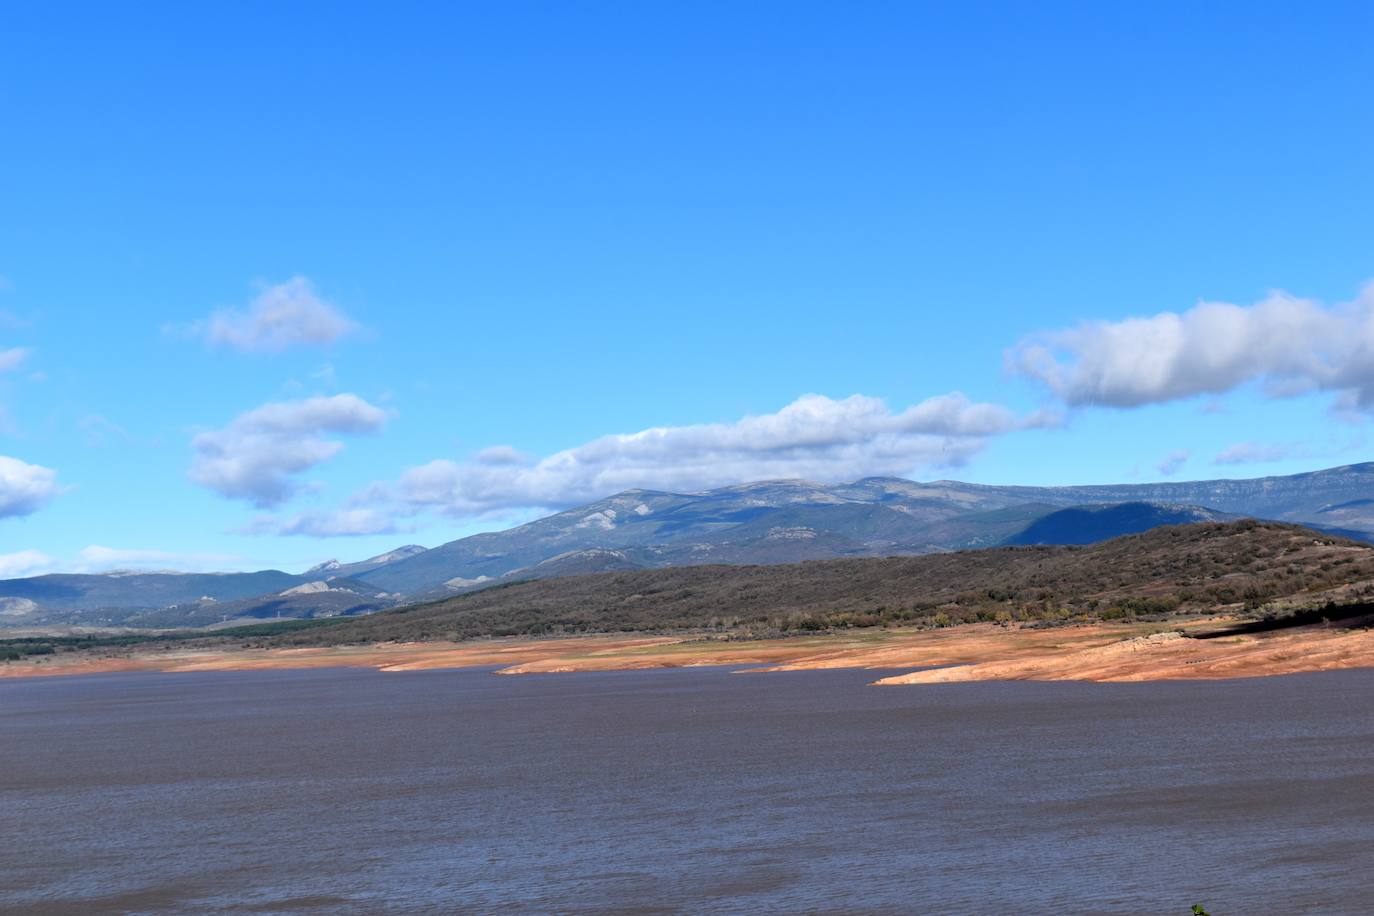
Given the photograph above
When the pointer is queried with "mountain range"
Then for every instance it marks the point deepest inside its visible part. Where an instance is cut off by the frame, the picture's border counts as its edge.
(768, 522)
(1268, 567)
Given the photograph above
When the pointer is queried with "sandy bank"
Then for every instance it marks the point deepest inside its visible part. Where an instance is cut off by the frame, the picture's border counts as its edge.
(1100, 652)
(861, 649)
(1169, 656)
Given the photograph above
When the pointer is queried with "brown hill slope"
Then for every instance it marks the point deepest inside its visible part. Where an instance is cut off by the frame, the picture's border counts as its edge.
(1192, 568)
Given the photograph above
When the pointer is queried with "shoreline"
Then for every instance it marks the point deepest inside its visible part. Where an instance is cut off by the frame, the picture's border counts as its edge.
(1098, 652)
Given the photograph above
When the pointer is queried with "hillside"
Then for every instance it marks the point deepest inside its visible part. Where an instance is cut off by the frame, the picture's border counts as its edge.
(159, 600)
(1185, 569)
(1090, 524)
(765, 522)
(138, 590)
(313, 600)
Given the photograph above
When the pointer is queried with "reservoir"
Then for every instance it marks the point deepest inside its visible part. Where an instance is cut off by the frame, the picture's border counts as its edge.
(688, 790)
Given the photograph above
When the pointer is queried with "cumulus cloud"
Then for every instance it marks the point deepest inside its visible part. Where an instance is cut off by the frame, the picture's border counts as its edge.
(255, 457)
(25, 563)
(1173, 461)
(814, 437)
(286, 315)
(1255, 453)
(13, 358)
(329, 523)
(1290, 345)
(25, 488)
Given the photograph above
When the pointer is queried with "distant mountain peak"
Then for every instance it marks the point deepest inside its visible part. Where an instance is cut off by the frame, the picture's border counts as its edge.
(400, 553)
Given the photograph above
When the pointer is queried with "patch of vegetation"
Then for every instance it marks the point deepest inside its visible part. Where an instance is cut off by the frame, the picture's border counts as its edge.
(17, 648)
(1153, 576)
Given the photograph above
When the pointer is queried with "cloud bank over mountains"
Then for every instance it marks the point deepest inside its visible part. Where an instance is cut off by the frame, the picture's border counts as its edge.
(99, 559)
(814, 437)
(24, 563)
(1290, 345)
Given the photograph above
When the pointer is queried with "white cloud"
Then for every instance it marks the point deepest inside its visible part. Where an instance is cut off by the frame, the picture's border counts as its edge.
(13, 358)
(286, 315)
(346, 522)
(25, 488)
(24, 563)
(100, 431)
(255, 456)
(1291, 345)
(1173, 461)
(814, 437)
(499, 455)
(1255, 453)
(98, 559)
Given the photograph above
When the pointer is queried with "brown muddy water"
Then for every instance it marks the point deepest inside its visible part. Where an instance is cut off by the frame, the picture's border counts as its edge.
(353, 791)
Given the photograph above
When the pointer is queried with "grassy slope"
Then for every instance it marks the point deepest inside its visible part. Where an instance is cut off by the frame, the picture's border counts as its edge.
(1187, 568)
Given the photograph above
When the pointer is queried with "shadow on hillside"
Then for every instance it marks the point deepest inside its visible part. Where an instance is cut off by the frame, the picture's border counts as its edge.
(1347, 616)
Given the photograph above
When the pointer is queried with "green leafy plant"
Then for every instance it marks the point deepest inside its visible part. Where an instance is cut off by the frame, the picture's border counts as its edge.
(1199, 911)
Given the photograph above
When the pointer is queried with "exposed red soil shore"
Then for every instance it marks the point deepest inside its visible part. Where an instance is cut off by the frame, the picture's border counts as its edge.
(1099, 652)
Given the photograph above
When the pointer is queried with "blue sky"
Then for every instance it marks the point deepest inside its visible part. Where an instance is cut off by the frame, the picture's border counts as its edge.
(395, 272)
